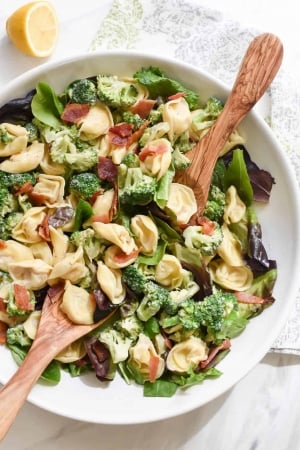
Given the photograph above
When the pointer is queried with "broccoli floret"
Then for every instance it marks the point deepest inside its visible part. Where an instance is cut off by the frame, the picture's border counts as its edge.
(187, 316)
(135, 188)
(214, 208)
(92, 246)
(117, 342)
(133, 119)
(66, 148)
(17, 180)
(82, 91)
(131, 160)
(155, 297)
(134, 279)
(183, 142)
(8, 223)
(33, 132)
(8, 202)
(180, 161)
(84, 185)
(206, 243)
(116, 93)
(5, 137)
(17, 335)
(11, 307)
(130, 326)
(208, 114)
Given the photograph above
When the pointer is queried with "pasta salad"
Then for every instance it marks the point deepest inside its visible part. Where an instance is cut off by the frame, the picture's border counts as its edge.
(89, 199)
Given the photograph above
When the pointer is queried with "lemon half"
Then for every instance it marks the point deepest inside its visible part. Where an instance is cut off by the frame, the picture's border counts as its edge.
(33, 28)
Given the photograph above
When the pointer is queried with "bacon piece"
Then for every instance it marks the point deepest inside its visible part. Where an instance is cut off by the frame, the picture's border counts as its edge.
(2, 244)
(119, 134)
(176, 96)
(207, 225)
(153, 367)
(3, 329)
(143, 107)
(107, 171)
(226, 344)
(152, 150)
(25, 189)
(36, 198)
(122, 257)
(75, 112)
(44, 230)
(104, 218)
(2, 305)
(22, 298)
(245, 297)
(138, 133)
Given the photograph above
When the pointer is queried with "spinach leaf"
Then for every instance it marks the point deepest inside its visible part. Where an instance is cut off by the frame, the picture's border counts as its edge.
(158, 84)
(237, 175)
(153, 260)
(83, 212)
(46, 106)
(160, 388)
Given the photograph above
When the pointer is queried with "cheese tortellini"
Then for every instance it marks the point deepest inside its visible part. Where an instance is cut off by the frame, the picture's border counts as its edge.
(181, 202)
(27, 160)
(110, 281)
(51, 188)
(145, 232)
(169, 272)
(187, 355)
(27, 230)
(178, 115)
(140, 357)
(234, 278)
(158, 157)
(14, 140)
(78, 304)
(116, 234)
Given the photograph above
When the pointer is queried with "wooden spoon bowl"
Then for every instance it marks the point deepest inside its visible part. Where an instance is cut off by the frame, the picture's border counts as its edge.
(258, 69)
(55, 332)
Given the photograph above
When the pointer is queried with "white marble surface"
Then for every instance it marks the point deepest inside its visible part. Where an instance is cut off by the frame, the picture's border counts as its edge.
(263, 410)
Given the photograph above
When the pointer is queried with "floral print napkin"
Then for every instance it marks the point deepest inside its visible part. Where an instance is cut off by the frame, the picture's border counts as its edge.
(205, 38)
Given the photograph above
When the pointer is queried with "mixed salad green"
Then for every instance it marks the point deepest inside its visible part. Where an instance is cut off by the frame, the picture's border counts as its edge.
(89, 200)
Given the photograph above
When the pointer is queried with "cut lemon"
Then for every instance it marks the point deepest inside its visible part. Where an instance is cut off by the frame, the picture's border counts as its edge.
(33, 28)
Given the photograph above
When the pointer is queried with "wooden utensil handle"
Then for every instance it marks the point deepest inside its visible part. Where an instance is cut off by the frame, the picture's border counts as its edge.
(14, 393)
(259, 67)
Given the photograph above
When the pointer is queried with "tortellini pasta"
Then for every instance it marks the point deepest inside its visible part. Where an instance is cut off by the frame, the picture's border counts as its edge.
(187, 355)
(177, 114)
(110, 281)
(234, 140)
(78, 304)
(51, 188)
(73, 352)
(114, 257)
(96, 123)
(50, 167)
(145, 232)
(181, 202)
(230, 248)
(41, 250)
(72, 267)
(27, 160)
(33, 274)
(169, 272)
(12, 251)
(238, 278)
(27, 230)
(31, 324)
(117, 234)
(140, 357)
(235, 208)
(17, 137)
(158, 156)
(60, 243)
(157, 131)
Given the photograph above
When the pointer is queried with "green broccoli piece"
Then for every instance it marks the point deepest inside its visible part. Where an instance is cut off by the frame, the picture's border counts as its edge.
(92, 246)
(82, 91)
(135, 188)
(207, 114)
(33, 132)
(187, 316)
(17, 180)
(131, 160)
(8, 202)
(117, 342)
(84, 185)
(134, 279)
(66, 148)
(8, 223)
(155, 297)
(17, 335)
(183, 142)
(130, 326)
(5, 137)
(133, 119)
(180, 161)
(116, 93)
(206, 243)
(214, 208)
(11, 307)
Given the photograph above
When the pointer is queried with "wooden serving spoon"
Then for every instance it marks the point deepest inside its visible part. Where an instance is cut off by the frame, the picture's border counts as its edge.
(55, 332)
(258, 69)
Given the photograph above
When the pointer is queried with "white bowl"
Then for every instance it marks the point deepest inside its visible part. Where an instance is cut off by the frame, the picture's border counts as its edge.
(86, 398)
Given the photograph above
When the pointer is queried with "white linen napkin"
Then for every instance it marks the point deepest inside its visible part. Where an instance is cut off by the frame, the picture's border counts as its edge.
(205, 38)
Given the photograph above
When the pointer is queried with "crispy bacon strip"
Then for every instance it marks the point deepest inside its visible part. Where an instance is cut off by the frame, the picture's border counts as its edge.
(44, 230)
(122, 257)
(152, 150)
(176, 96)
(143, 107)
(226, 344)
(245, 297)
(3, 329)
(137, 134)
(22, 298)
(2, 244)
(119, 134)
(75, 112)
